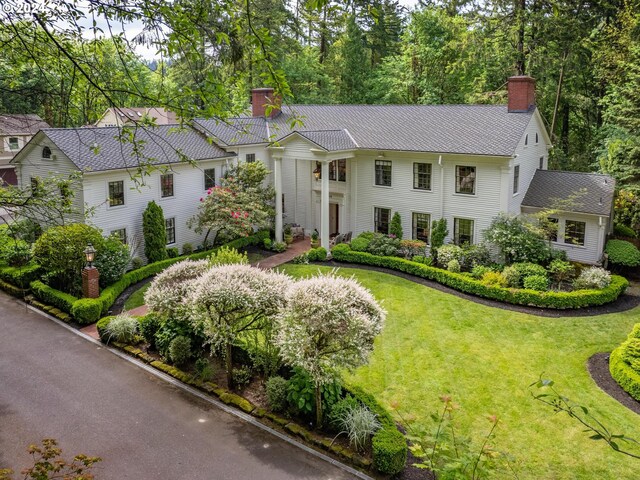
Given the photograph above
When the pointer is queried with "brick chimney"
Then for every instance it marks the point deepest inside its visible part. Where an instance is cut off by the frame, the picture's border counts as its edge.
(260, 98)
(521, 93)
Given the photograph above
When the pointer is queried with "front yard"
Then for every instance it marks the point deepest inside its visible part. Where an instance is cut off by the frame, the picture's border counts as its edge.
(435, 343)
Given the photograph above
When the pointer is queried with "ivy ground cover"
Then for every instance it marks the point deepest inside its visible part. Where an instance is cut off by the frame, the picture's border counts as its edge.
(435, 343)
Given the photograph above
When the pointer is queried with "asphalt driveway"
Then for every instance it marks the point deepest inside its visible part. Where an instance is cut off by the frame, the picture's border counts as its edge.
(56, 384)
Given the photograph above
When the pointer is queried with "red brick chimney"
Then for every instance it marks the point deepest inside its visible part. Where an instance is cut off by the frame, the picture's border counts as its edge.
(260, 98)
(521, 93)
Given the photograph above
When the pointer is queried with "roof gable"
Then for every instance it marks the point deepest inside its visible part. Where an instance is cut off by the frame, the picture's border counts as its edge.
(589, 193)
(21, 124)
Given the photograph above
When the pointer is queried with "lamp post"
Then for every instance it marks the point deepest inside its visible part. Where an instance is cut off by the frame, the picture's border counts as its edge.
(90, 274)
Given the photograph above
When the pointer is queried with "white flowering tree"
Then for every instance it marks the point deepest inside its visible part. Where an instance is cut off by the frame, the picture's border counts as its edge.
(166, 295)
(229, 300)
(328, 324)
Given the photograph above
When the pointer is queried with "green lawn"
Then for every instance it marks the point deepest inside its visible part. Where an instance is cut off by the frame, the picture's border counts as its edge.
(435, 343)
(136, 298)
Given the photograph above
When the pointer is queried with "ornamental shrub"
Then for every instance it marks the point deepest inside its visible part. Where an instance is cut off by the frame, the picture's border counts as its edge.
(383, 245)
(122, 328)
(180, 350)
(475, 255)
(527, 269)
(148, 326)
(439, 232)
(422, 259)
(446, 253)
(339, 409)
(154, 232)
(395, 228)
(494, 279)
(203, 369)
(278, 247)
(242, 376)
(622, 253)
(412, 248)
(359, 423)
(620, 230)
(60, 253)
(87, 310)
(276, 389)
(592, 278)
(228, 256)
(453, 266)
(136, 263)
(516, 240)
(171, 329)
(539, 283)
(561, 270)
(16, 253)
(361, 242)
(301, 393)
(512, 275)
(479, 271)
(111, 261)
(319, 254)
(266, 243)
(187, 249)
(302, 259)
(173, 252)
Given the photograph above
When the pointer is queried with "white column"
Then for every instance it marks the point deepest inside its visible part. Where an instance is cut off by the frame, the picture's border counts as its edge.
(277, 183)
(324, 207)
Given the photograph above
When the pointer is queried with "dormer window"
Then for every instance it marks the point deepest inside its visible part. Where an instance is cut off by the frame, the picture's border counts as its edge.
(46, 152)
(13, 143)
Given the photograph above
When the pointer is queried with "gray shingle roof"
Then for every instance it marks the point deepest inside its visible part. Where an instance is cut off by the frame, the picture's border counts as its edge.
(235, 131)
(466, 129)
(330, 140)
(549, 188)
(98, 149)
(19, 123)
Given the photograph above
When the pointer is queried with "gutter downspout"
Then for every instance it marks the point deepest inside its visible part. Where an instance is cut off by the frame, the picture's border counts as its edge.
(441, 186)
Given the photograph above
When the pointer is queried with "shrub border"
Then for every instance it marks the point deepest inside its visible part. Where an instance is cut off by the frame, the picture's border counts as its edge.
(89, 310)
(237, 401)
(463, 283)
(622, 373)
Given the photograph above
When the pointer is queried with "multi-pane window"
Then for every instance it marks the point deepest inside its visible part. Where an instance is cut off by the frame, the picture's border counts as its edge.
(209, 178)
(553, 229)
(422, 176)
(333, 171)
(462, 231)
(342, 169)
(381, 218)
(574, 232)
(465, 180)
(166, 185)
(516, 179)
(13, 143)
(116, 193)
(120, 234)
(421, 223)
(337, 170)
(170, 227)
(383, 173)
(250, 157)
(46, 152)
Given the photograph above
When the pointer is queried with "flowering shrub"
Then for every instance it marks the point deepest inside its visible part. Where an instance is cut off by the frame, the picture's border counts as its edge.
(592, 278)
(517, 241)
(112, 261)
(475, 255)
(446, 253)
(384, 245)
(166, 294)
(411, 248)
(230, 299)
(328, 324)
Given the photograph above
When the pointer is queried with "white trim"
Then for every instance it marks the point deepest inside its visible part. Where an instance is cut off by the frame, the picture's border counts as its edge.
(475, 225)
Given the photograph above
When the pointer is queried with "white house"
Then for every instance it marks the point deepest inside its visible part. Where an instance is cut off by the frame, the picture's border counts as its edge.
(15, 132)
(110, 196)
(120, 116)
(351, 167)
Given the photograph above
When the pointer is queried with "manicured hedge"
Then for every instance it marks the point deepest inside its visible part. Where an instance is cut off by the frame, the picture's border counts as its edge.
(51, 296)
(101, 326)
(20, 276)
(90, 310)
(623, 253)
(464, 283)
(388, 444)
(12, 289)
(622, 372)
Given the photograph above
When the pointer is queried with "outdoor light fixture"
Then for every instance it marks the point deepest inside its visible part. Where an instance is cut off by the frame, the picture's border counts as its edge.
(316, 172)
(90, 254)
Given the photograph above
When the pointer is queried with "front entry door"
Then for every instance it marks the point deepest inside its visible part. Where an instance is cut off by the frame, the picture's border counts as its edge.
(334, 218)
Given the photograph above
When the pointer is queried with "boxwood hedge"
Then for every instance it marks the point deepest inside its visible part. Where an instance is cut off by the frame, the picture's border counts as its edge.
(466, 284)
(90, 310)
(624, 364)
(20, 277)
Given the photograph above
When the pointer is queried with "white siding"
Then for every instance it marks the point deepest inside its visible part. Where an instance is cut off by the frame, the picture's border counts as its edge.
(33, 165)
(528, 157)
(188, 189)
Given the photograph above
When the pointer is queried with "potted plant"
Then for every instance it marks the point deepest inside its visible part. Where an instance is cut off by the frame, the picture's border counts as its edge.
(288, 236)
(315, 239)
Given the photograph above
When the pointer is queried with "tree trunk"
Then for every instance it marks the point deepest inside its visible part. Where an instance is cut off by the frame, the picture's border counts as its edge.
(521, 6)
(318, 406)
(229, 365)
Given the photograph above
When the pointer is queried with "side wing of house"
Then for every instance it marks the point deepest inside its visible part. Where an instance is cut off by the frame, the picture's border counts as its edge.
(41, 159)
(117, 201)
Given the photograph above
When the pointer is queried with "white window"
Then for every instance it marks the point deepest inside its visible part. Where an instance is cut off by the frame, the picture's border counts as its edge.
(574, 232)
(463, 231)
(170, 226)
(516, 179)
(13, 143)
(465, 180)
(422, 176)
(383, 173)
(116, 193)
(250, 157)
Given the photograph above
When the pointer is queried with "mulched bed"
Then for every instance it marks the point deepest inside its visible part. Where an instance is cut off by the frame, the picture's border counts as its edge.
(598, 366)
(628, 300)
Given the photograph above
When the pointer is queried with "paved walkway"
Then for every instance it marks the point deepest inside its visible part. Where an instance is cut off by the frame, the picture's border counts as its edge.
(57, 384)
